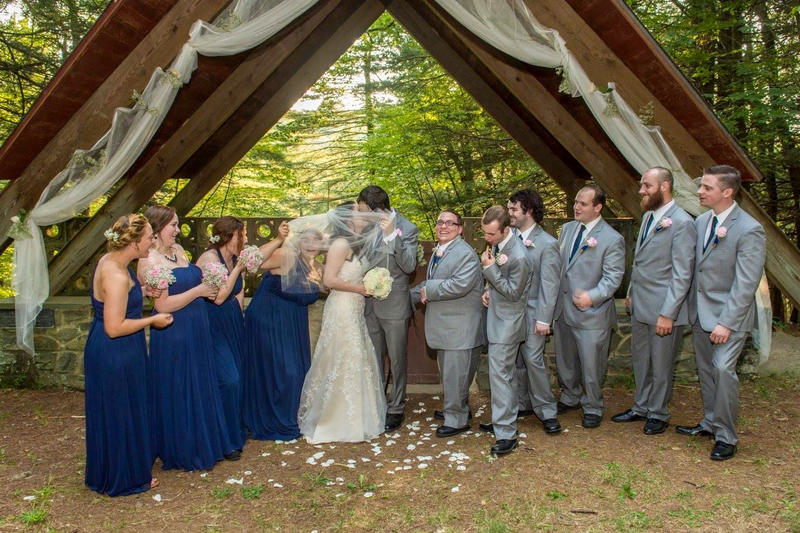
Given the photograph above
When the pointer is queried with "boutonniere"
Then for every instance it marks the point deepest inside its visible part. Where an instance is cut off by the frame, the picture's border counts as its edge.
(501, 259)
(528, 243)
(438, 251)
(399, 232)
(719, 234)
(665, 222)
(591, 242)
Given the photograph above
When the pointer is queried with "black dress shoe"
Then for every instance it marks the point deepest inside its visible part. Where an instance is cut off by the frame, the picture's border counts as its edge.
(235, 455)
(627, 416)
(522, 413)
(562, 408)
(447, 431)
(487, 428)
(693, 431)
(654, 426)
(722, 451)
(591, 421)
(393, 421)
(551, 425)
(504, 446)
(439, 414)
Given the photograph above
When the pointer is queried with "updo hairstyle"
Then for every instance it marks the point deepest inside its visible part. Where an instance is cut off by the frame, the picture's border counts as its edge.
(125, 230)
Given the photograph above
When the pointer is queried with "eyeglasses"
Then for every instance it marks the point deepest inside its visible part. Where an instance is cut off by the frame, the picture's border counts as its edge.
(446, 223)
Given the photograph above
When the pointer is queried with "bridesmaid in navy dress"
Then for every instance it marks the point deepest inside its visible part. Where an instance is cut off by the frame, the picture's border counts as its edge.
(189, 429)
(278, 352)
(118, 456)
(228, 236)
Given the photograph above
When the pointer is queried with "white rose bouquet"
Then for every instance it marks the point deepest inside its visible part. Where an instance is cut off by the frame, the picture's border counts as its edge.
(378, 283)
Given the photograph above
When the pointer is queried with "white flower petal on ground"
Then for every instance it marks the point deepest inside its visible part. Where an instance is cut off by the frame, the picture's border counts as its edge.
(265, 454)
(407, 467)
(284, 463)
(29, 498)
(204, 474)
(157, 497)
(422, 465)
(234, 481)
(461, 467)
(318, 455)
(287, 452)
(523, 435)
(340, 480)
(247, 473)
(327, 462)
(311, 461)
(389, 442)
(410, 447)
(455, 489)
(428, 418)
(365, 459)
(368, 494)
(277, 485)
(434, 397)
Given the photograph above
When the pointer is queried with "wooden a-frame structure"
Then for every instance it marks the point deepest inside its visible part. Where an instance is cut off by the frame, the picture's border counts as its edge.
(231, 102)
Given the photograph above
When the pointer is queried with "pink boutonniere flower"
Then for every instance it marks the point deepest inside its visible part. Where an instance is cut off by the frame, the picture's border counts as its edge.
(591, 242)
(399, 232)
(501, 259)
(665, 222)
(529, 243)
(719, 234)
(439, 252)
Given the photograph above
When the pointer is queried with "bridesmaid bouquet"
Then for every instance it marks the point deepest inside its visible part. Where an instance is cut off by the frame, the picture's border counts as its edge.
(378, 283)
(252, 258)
(215, 274)
(159, 277)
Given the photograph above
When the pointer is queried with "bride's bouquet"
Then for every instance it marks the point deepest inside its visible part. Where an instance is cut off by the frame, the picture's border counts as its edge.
(378, 283)
(215, 274)
(159, 277)
(252, 258)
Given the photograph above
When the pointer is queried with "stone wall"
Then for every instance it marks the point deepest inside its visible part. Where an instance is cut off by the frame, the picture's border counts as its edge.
(65, 322)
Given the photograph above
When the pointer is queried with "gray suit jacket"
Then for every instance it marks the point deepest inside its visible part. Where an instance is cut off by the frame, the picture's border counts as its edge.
(508, 289)
(726, 275)
(545, 275)
(400, 257)
(454, 313)
(663, 266)
(597, 269)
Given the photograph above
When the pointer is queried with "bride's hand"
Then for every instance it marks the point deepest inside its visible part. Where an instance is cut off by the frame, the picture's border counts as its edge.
(360, 289)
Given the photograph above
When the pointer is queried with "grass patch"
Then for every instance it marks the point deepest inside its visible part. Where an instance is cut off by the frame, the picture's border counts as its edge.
(556, 495)
(318, 480)
(252, 493)
(635, 521)
(363, 485)
(220, 493)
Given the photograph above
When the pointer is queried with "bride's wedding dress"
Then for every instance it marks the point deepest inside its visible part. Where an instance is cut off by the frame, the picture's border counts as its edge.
(343, 398)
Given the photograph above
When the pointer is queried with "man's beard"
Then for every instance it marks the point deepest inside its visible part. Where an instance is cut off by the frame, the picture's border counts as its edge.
(652, 202)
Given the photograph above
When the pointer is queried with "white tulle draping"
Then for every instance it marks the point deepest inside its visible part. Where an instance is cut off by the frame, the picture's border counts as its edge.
(91, 173)
(509, 26)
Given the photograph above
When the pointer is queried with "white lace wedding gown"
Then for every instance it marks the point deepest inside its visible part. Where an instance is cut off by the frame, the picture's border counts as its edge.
(343, 398)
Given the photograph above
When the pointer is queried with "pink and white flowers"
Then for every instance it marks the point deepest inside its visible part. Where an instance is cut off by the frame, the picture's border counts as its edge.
(252, 258)
(378, 283)
(591, 242)
(159, 277)
(528, 243)
(501, 259)
(721, 232)
(665, 222)
(215, 274)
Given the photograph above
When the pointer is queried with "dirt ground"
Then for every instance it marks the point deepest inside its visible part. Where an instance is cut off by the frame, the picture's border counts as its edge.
(605, 479)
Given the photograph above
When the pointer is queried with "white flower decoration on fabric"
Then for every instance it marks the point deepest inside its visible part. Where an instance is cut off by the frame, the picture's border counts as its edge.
(111, 235)
(501, 259)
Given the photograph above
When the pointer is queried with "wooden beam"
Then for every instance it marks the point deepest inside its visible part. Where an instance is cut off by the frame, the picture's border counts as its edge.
(526, 131)
(603, 163)
(272, 100)
(93, 118)
(292, 48)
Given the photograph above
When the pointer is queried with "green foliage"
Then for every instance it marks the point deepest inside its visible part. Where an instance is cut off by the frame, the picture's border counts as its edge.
(221, 493)
(252, 493)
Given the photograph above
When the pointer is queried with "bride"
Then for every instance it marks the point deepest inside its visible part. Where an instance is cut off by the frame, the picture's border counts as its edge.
(342, 398)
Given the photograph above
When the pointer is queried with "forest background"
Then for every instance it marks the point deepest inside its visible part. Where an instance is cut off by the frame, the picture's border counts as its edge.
(387, 113)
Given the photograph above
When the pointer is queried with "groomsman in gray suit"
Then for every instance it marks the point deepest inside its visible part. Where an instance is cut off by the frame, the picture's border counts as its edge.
(453, 317)
(387, 320)
(593, 254)
(662, 274)
(730, 254)
(526, 210)
(506, 268)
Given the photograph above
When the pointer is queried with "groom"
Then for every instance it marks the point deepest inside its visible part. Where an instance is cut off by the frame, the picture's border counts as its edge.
(387, 320)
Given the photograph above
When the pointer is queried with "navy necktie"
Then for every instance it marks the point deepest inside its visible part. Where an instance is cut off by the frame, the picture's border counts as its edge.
(711, 233)
(435, 260)
(647, 226)
(577, 243)
(496, 250)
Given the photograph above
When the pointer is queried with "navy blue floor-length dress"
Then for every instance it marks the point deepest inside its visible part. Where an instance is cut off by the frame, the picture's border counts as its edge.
(227, 336)
(188, 418)
(278, 355)
(118, 455)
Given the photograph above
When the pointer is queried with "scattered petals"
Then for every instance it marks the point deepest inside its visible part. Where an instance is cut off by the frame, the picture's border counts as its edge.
(157, 497)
